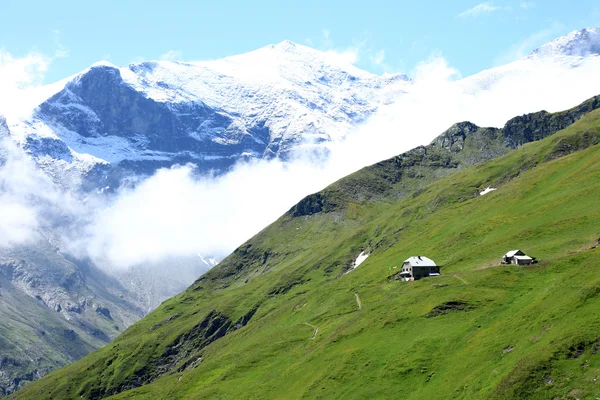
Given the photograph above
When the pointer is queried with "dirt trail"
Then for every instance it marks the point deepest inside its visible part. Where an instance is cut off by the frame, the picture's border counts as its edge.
(316, 328)
(358, 301)
(463, 281)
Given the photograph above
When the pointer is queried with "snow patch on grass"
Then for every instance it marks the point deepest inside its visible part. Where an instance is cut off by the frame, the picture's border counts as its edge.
(359, 260)
(487, 190)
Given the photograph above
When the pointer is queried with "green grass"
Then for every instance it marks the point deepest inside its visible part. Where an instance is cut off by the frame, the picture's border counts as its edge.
(527, 332)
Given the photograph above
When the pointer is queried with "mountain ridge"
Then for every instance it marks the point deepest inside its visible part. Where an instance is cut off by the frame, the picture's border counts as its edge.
(460, 146)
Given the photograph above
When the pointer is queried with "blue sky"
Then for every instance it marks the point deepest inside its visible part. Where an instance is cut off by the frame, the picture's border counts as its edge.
(382, 35)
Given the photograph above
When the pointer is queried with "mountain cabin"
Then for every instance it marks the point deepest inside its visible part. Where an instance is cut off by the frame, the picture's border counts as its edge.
(517, 257)
(418, 267)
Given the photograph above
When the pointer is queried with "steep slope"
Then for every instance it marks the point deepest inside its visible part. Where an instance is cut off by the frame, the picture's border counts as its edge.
(282, 316)
(110, 126)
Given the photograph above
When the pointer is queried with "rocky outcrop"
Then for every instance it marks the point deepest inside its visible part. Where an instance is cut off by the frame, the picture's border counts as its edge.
(448, 307)
(454, 138)
(309, 205)
(531, 127)
(184, 352)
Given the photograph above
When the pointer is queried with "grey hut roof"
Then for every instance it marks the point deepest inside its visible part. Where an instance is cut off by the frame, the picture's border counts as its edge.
(420, 261)
(511, 253)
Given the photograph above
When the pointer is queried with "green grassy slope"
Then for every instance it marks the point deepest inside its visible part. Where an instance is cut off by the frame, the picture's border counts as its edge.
(280, 317)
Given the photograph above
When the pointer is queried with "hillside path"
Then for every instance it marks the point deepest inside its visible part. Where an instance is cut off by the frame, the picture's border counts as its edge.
(316, 328)
(463, 281)
(358, 301)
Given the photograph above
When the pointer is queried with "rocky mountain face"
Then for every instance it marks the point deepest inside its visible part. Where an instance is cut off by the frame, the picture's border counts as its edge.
(101, 115)
(150, 284)
(53, 311)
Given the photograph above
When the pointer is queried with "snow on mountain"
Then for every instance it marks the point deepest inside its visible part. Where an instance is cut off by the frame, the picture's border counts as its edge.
(298, 93)
(576, 49)
(320, 95)
(147, 115)
(579, 43)
(109, 123)
(3, 127)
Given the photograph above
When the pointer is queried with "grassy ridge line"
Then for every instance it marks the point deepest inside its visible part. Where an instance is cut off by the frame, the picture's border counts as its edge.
(293, 270)
(461, 146)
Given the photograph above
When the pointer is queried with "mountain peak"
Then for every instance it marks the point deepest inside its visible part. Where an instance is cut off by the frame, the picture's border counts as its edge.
(286, 45)
(103, 63)
(578, 43)
(457, 133)
(293, 49)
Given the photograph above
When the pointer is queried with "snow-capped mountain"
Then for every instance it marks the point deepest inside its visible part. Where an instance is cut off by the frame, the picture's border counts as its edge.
(109, 122)
(580, 48)
(580, 43)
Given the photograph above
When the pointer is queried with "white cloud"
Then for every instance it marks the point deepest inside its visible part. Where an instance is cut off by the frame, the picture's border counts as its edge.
(18, 222)
(339, 55)
(347, 56)
(21, 186)
(171, 55)
(325, 39)
(21, 78)
(61, 51)
(173, 214)
(378, 58)
(481, 9)
(358, 52)
(17, 76)
(527, 4)
(28, 198)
